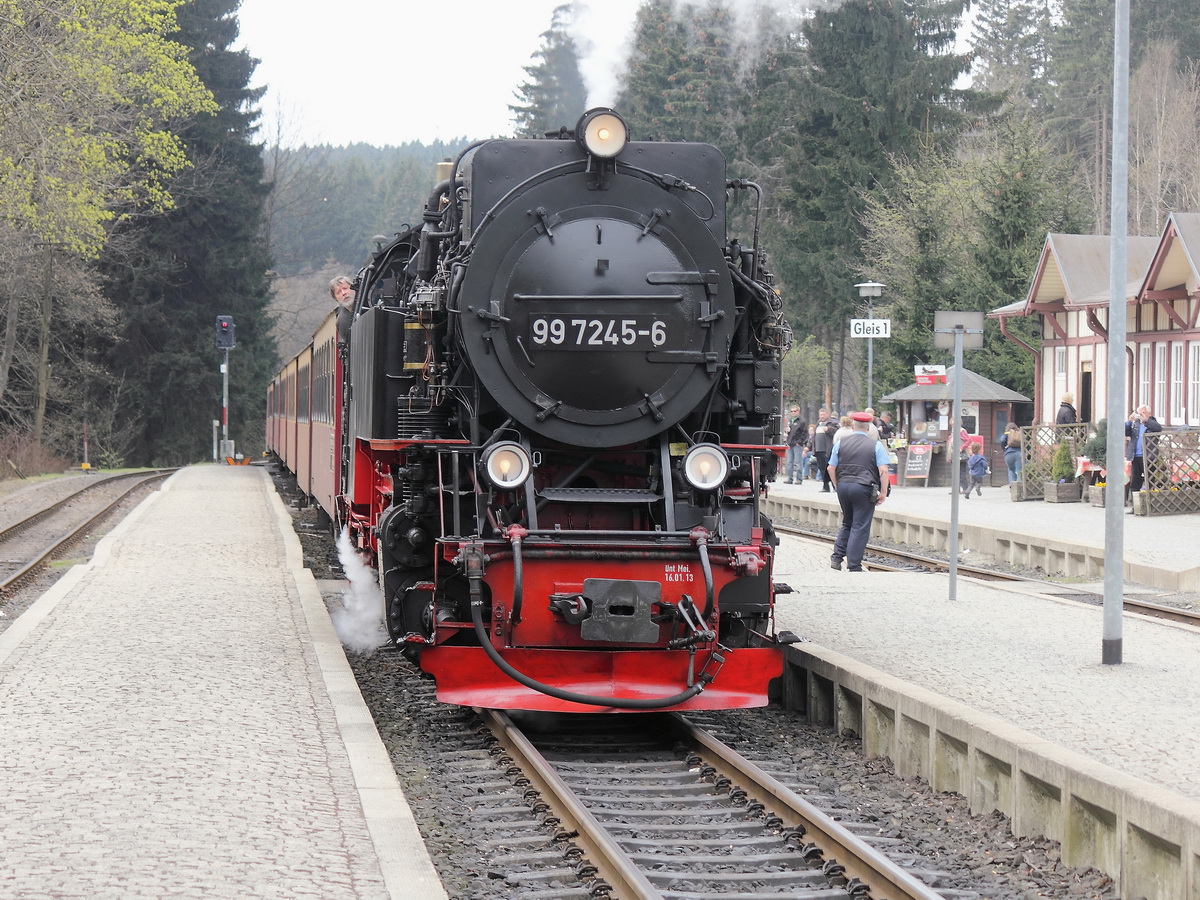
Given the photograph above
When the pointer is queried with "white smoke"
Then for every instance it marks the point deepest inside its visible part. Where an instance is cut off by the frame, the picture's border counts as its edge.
(359, 622)
(603, 35)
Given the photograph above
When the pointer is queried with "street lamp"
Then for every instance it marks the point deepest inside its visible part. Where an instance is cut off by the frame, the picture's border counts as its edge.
(869, 290)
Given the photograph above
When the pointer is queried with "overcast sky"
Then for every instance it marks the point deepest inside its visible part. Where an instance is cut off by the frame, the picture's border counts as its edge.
(390, 71)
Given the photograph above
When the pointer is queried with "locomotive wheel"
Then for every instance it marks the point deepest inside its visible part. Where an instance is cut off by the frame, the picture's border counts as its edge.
(410, 611)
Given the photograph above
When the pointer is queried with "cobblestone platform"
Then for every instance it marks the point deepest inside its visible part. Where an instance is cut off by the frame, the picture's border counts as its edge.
(1001, 693)
(177, 718)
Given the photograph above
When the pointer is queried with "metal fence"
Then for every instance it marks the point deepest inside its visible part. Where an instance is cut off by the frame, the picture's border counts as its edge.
(1038, 444)
(1172, 483)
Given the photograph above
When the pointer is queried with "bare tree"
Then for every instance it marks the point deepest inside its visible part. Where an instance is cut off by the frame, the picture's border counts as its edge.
(1164, 131)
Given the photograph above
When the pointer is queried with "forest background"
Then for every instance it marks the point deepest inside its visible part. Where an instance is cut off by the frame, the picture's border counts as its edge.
(140, 196)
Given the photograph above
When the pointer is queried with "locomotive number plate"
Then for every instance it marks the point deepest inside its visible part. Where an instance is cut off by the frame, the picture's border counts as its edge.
(598, 332)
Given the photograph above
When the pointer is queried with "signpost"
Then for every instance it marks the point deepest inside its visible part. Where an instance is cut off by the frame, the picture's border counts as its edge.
(870, 328)
(957, 330)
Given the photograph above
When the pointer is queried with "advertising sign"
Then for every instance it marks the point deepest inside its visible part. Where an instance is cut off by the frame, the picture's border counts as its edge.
(917, 463)
(930, 374)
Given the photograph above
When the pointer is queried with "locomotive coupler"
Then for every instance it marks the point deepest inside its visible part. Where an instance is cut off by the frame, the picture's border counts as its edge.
(574, 608)
(690, 616)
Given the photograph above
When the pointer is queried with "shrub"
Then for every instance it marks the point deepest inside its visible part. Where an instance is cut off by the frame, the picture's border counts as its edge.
(1095, 447)
(20, 456)
(1062, 467)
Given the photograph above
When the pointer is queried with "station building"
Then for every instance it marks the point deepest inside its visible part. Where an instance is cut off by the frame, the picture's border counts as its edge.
(1070, 292)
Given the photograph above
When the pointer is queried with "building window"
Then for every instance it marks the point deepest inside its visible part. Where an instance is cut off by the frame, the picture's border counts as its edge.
(1177, 383)
(1143, 381)
(1193, 407)
(1060, 362)
(1160, 380)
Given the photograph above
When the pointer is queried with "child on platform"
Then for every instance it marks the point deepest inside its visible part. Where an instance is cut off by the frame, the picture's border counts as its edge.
(977, 467)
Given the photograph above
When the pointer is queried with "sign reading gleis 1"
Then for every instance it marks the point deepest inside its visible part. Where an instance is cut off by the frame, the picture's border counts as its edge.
(870, 328)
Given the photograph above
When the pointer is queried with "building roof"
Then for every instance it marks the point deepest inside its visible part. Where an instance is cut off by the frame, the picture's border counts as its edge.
(1175, 264)
(974, 387)
(1073, 271)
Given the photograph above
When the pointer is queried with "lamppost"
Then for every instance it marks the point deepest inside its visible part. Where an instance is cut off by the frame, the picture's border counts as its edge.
(869, 290)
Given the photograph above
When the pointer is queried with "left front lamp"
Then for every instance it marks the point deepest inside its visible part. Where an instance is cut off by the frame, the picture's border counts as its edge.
(508, 465)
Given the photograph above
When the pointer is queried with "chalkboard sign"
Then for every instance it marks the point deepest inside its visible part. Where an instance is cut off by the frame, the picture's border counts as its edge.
(917, 463)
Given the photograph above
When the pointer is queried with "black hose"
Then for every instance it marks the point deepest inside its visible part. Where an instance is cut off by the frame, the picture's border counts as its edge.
(558, 693)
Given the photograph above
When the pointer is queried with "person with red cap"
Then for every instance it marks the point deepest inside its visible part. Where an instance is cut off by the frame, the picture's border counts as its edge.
(858, 471)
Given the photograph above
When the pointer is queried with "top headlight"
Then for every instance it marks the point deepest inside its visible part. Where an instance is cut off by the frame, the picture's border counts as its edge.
(508, 465)
(602, 133)
(706, 467)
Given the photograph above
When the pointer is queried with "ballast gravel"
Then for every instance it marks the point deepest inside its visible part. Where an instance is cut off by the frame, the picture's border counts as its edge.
(986, 858)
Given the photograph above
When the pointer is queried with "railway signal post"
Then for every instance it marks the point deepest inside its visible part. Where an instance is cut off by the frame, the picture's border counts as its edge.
(226, 341)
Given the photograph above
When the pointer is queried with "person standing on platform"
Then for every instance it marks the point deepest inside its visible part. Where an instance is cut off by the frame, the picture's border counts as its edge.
(1140, 421)
(887, 430)
(823, 445)
(1013, 458)
(1066, 411)
(793, 466)
(810, 456)
(858, 469)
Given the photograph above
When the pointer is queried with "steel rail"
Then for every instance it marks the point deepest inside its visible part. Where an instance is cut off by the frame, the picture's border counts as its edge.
(908, 559)
(34, 518)
(613, 864)
(883, 878)
(64, 541)
(867, 872)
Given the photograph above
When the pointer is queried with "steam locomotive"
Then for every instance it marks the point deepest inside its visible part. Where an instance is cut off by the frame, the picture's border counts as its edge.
(548, 423)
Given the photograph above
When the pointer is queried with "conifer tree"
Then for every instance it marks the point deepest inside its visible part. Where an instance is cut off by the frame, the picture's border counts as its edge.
(1010, 49)
(171, 276)
(880, 82)
(682, 82)
(553, 95)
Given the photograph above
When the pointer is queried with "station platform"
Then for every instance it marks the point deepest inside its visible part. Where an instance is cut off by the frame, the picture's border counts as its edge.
(177, 718)
(1000, 694)
(1062, 539)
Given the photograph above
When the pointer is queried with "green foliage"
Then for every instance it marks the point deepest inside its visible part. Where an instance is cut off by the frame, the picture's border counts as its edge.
(553, 95)
(172, 275)
(682, 82)
(804, 370)
(328, 202)
(1062, 466)
(963, 231)
(85, 129)
(880, 84)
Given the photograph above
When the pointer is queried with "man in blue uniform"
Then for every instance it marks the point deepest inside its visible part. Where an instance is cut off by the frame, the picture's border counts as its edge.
(858, 470)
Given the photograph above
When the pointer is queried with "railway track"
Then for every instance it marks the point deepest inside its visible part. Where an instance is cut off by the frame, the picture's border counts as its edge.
(661, 808)
(33, 539)
(891, 559)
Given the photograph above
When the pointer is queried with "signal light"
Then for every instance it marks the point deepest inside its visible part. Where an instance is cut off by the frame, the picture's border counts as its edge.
(225, 333)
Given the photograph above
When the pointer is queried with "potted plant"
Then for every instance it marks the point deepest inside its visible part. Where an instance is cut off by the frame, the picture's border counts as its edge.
(1095, 448)
(1062, 486)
